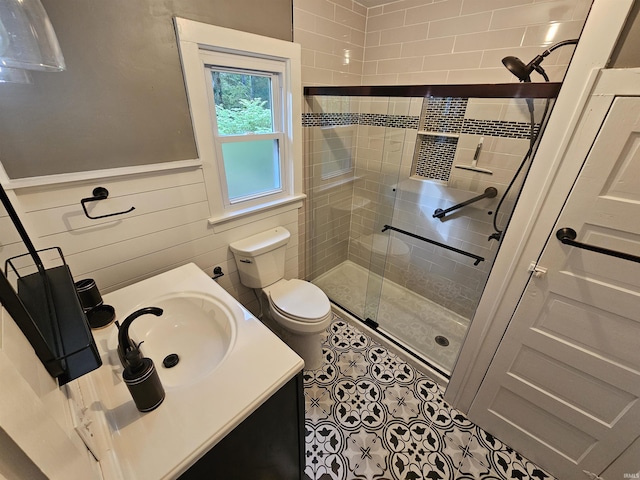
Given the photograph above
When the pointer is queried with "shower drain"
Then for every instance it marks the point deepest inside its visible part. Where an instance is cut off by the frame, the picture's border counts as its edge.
(442, 341)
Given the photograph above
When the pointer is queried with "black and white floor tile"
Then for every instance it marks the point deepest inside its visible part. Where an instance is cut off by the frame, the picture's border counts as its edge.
(369, 415)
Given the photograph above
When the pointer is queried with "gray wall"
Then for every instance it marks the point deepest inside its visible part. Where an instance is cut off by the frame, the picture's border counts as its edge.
(121, 101)
(627, 51)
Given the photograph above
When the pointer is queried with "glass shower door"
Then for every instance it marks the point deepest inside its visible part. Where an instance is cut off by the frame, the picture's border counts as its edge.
(331, 141)
(385, 136)
(355, 155)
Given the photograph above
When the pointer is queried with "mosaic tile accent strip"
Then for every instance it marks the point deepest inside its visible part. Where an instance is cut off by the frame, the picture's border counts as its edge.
(497, 128)
(369, 415)
(439, 114)
(394, 121)
(443, 114)
(435, 157)
(329, 119)
(373, 119)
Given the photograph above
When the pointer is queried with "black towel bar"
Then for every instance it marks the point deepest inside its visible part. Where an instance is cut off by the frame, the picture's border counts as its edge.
(477, 258)
(568, 236)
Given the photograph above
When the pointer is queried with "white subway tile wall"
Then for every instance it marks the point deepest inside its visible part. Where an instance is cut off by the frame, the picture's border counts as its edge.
(332, 35)
(426, 41)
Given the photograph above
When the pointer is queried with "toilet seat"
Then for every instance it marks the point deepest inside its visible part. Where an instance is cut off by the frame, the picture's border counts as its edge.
(299, 300)
(299, 306)
(312, 321)
(300, 327)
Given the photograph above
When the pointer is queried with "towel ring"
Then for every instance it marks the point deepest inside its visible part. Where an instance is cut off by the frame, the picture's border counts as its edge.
(100, 193)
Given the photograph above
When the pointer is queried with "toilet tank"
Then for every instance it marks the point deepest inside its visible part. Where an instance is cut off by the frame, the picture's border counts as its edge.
(260, 258)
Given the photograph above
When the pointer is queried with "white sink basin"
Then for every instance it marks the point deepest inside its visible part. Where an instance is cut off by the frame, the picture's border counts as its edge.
(230, 363)
(196, 327)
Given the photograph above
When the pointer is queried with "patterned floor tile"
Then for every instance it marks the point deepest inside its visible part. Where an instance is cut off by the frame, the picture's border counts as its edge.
(318, 403)
(366, 454)
(324, 446)
(371, 416)
(471, 469)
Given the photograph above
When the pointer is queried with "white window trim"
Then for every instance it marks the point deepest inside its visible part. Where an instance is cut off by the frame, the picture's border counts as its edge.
(193, 39)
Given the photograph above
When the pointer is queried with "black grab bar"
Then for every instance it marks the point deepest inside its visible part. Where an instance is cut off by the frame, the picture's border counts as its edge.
(568, 236)
(477, 258)
(489, 192)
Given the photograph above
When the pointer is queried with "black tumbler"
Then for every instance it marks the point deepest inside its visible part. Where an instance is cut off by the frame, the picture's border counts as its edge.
(89, 294)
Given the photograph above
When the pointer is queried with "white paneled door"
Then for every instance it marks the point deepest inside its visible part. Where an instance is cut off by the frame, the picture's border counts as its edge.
(564, 385)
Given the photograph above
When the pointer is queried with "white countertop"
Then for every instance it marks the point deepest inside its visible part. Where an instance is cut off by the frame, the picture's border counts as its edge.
(163, 443)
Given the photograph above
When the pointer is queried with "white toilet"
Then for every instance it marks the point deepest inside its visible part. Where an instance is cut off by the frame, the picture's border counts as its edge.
(299, 311)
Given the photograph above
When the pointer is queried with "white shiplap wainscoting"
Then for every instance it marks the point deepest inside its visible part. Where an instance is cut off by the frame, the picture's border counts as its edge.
(10, 244)
(169, 227)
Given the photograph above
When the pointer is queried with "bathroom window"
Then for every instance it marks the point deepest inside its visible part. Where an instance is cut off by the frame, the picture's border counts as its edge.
(245, 99)
(247, 123)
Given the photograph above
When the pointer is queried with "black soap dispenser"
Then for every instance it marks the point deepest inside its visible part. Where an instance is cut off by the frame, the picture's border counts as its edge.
(142, 380)
(140, 374)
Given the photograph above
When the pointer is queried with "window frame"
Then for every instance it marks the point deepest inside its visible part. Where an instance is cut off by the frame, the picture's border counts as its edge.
(220, 61)
(197, 42)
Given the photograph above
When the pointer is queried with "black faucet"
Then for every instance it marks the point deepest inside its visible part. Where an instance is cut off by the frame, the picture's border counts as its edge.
(125, 344)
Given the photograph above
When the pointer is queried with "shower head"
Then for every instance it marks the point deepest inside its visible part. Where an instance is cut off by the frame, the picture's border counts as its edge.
(523, 72)
(518, 68)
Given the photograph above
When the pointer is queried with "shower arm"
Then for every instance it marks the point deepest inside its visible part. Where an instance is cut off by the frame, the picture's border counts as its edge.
(535, 63)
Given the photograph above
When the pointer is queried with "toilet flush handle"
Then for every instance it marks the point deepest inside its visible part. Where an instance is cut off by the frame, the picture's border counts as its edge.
(244, 260)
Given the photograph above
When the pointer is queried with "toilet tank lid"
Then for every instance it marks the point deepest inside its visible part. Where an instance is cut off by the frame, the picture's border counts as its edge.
(261, 243)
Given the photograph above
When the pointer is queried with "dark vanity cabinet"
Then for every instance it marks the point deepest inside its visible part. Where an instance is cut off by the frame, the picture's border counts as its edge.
(268, 445)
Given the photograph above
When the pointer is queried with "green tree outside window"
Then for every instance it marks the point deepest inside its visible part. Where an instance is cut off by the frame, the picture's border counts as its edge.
(243, 103)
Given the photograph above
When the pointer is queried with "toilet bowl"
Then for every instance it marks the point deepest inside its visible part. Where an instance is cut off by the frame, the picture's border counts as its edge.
(298, 311)
(301, 313)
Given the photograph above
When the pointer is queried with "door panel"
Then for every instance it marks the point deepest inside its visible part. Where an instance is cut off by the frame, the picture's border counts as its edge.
(564, 385)
(585, 326)
(578, 386)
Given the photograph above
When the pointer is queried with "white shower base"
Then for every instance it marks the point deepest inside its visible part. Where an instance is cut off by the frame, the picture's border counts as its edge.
(405, 316)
